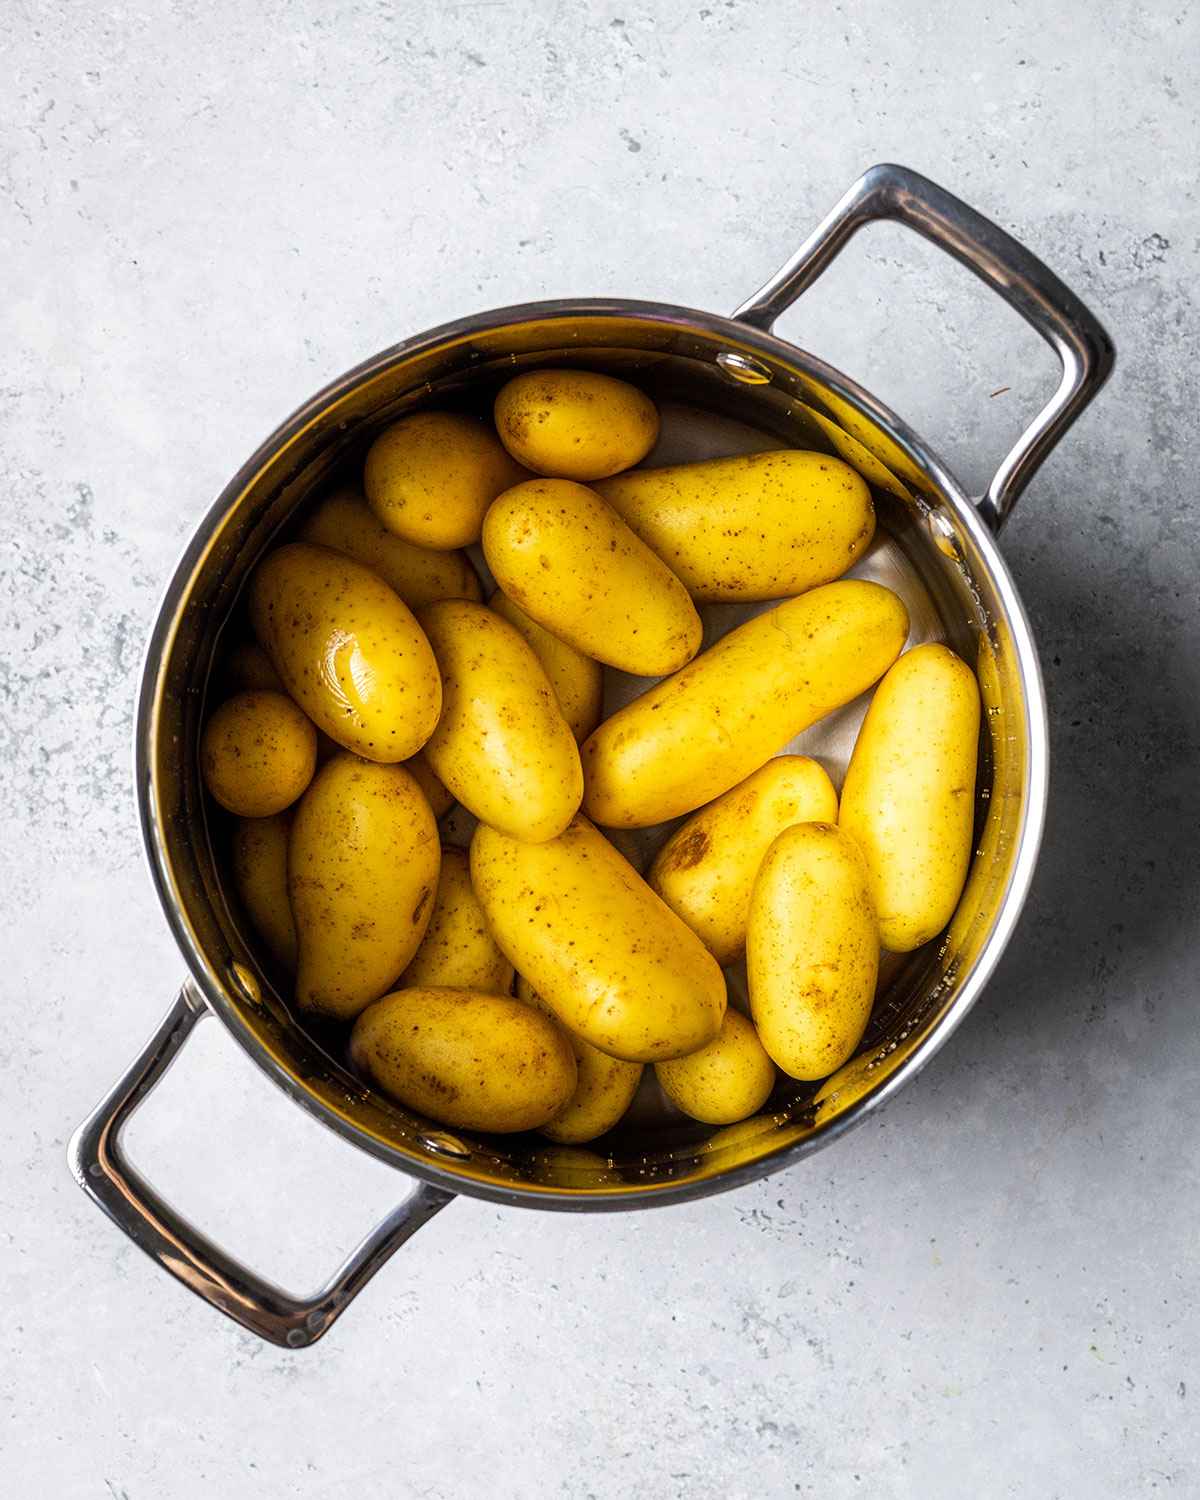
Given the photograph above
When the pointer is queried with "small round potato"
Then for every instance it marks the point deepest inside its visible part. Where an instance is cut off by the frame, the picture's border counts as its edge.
(725, 1082)
(258, 753)
(705, 871)
(501, 746)
(430, 477)
(345, 522)
(603, 1093)
(577, 680)
(349, 650)
(260, 849)
(812, 950)
(363, 862)
(573, 565)
(909, 796)
(468, 1060)
(458, 952)
(575, 424)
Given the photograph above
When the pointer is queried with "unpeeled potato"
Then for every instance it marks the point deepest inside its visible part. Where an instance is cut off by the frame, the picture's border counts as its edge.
(575, 424)
(577, 680)
(726, 1081)
(458, 951)
(468, 1060)
(260, 847)
(257, 753)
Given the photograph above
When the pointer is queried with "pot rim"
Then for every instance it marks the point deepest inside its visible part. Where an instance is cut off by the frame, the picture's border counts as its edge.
(208, 985)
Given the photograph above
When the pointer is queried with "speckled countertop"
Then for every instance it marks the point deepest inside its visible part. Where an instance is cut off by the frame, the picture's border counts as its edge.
(993, 1289)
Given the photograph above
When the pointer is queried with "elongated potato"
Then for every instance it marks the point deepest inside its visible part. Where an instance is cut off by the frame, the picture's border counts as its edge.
(430, 477)
(348, 649)
(573, 565)
(603, 1092)
(502, 746)
(756, 526)
(614, 964)
(909, 796)
(812, 950)
(575, 424)
(259, 860)
(458, 952)
(691, 738)
(437, 795)
(705, 871)
(257, 753)
(420, 575)
(726, 1081)
(577, 680)
(472, 1061)
(363, 862)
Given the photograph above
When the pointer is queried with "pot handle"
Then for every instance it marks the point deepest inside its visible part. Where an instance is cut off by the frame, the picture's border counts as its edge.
(1084, 349)
(102, 1170)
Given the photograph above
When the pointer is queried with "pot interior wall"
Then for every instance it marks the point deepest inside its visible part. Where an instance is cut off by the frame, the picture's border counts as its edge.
(923, 548)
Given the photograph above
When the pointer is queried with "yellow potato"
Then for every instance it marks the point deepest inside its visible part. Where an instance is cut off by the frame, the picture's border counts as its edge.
(705, 871)
(757, 526)
(572, 564)
(458, 952)
(363, 863)
(468, 1060)
(577, 680)
(249, 667)
(604, 1090)
(909, 797)
(812, 950)
(430, 477)
(725, 1082)
(436, 795)
(502, 746)
(345, 522)
(257, 753)
(348, 649)
(575, 424)
(689, 739)
(259, 860)
(615, 965)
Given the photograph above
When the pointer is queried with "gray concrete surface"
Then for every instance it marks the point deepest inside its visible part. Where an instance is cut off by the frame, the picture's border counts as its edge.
(207, 211)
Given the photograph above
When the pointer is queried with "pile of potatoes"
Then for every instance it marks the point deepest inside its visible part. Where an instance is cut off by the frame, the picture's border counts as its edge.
(379, 689)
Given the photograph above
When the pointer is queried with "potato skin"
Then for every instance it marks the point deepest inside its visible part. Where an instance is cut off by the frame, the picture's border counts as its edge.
(468, 1060)
(812, 950)
(572, 564)
(615, 965)
(458, 952)
(363, 861)
(577, 680)
(257, 753)
(438, 797)
(755, 526)
(603, 1092)
(259, 862)
(575, 424)
(726, 1081)
(430, 476)
(692, 737)
(420, 575)
(705, 871)
(348, 649)
(502, 746)
(909, 796)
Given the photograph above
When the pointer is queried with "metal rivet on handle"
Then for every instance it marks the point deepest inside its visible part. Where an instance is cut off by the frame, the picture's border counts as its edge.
(442, 1144)
(744, 368)
(244, 982)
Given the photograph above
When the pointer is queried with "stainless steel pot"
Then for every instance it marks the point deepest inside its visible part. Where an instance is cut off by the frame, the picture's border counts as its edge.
(933, 532)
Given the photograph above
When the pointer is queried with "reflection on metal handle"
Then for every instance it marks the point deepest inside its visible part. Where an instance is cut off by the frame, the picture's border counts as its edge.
(1084, 349)
(103, 1172)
